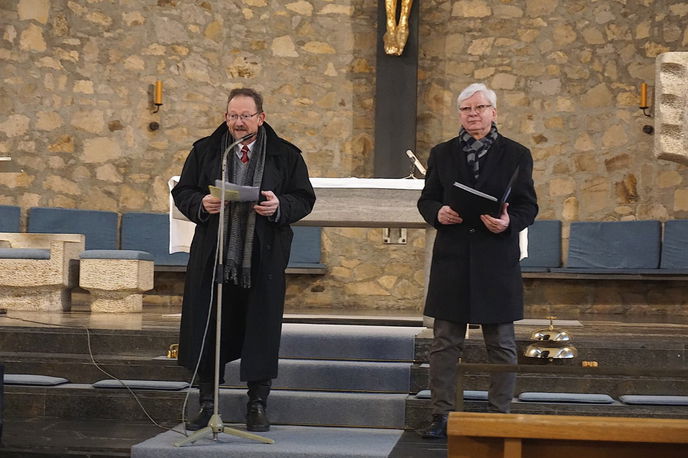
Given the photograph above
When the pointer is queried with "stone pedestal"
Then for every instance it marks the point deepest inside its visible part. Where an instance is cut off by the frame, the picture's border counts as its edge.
(116, 279)
(36, 284)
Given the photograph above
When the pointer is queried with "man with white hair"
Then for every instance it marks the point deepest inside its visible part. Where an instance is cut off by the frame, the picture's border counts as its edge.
(475, 275)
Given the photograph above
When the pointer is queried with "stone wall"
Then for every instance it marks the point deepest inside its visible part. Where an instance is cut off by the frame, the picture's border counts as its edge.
(76, 102)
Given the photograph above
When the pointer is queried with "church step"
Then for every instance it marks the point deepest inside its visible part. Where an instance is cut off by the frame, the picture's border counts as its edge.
(78, 368)
(299, 341)
(42, 340)
(357, 376)
(573, 383)
(419, 411)
(665, 352)
(80, 401)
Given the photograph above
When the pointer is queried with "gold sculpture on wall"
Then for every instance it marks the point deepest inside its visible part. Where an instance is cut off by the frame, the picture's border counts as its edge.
(397, 33)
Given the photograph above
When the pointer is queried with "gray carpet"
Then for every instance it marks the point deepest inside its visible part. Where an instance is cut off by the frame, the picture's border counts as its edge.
(372, 410)
(290, 441)
(328, 341)
(302, 374)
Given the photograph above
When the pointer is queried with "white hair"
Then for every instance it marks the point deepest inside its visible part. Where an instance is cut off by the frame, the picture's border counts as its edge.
(477, 87)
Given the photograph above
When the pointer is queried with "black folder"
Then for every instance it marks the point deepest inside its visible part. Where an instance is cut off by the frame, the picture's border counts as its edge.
(470, 203)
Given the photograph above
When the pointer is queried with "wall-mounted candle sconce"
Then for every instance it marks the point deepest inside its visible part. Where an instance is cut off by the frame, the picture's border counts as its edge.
(157, 96)
(644, 105)
(157, 101)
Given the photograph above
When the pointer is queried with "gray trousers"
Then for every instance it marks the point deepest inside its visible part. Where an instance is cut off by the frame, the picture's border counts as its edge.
(445, 351)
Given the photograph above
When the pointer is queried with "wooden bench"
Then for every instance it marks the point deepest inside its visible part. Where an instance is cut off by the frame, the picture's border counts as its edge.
(488, 435)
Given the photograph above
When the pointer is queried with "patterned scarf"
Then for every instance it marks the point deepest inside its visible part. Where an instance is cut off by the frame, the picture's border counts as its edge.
(476, 148)
(240, 219)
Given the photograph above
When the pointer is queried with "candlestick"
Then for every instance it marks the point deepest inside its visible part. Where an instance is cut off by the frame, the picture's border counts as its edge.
(643, 95)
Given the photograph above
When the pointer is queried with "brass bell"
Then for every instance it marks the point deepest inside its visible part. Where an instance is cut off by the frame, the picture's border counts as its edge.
(540, 350)
(551, 333)
(173, 351)
(550, 343)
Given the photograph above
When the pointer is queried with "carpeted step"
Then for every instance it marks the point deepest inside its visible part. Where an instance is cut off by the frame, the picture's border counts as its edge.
(312, 408)
(321, 375)
(290, 441)
(348, 342)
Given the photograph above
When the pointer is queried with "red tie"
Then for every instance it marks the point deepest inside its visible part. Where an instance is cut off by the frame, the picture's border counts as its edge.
(244, 154)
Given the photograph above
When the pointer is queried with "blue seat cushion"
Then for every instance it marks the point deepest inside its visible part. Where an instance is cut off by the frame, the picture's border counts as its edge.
(116, 254)
(9, 218)
(675, 245)
(24, 253)
(614, 245)
(150, 232)
(585, 398)
(99, 227)
(642, 399)
(31, 379)
(142, 384)
(305, 247)
(544, 245)
(471, 395)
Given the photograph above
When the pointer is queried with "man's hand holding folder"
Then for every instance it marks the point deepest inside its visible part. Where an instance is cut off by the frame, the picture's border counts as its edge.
(475, 207)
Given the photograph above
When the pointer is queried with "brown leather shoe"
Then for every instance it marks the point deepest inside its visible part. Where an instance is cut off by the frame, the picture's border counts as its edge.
(256, 418)
(437, 429)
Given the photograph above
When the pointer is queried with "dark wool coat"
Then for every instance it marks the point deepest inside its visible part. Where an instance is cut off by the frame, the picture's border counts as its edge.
(475, 275)
(256, 340)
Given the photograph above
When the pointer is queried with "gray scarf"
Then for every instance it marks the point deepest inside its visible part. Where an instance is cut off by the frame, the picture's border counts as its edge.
(240, 219)
(476, 148)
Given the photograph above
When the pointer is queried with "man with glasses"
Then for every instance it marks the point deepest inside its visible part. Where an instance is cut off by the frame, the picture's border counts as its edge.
(256, 251)
(475, 275)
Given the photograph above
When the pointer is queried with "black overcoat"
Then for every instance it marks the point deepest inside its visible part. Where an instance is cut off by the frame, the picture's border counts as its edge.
(286, 175)
(475, 275)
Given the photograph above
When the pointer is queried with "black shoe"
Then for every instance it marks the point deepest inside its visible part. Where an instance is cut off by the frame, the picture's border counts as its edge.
(201, 420)
(437, 429)
(256, 419)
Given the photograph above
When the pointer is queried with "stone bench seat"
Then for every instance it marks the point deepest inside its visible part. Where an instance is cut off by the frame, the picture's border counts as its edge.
(116, 279)
(24, 253)
(37, 271)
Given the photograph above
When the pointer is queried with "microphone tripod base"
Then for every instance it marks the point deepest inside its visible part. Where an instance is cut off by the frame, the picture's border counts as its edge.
(215, 426)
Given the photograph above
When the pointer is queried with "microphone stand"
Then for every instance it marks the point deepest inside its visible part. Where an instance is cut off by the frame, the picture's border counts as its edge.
(216, 425)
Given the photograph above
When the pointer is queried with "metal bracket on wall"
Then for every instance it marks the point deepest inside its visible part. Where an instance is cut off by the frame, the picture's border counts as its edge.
(394, 236)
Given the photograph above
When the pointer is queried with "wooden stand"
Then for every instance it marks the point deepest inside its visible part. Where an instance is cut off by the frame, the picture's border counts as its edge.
(488, 435)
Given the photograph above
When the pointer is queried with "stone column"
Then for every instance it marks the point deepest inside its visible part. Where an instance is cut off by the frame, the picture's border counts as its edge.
(671, 107)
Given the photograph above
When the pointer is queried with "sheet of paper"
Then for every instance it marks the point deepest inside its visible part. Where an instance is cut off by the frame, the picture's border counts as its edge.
(235, 192)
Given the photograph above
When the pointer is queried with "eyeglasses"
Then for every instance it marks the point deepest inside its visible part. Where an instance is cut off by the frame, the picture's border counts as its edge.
(478, 109)
(243, 117)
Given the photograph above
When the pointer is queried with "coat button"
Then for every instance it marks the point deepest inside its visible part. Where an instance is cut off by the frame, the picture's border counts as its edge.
(268, 247)
(471, 231)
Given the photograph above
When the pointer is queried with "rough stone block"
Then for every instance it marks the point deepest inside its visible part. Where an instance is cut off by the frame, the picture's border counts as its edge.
(40, 284)
(116, 285)
(671, 107)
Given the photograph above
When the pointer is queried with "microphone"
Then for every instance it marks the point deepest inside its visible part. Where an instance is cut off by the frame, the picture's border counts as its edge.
(244, 138)
(416, 163)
